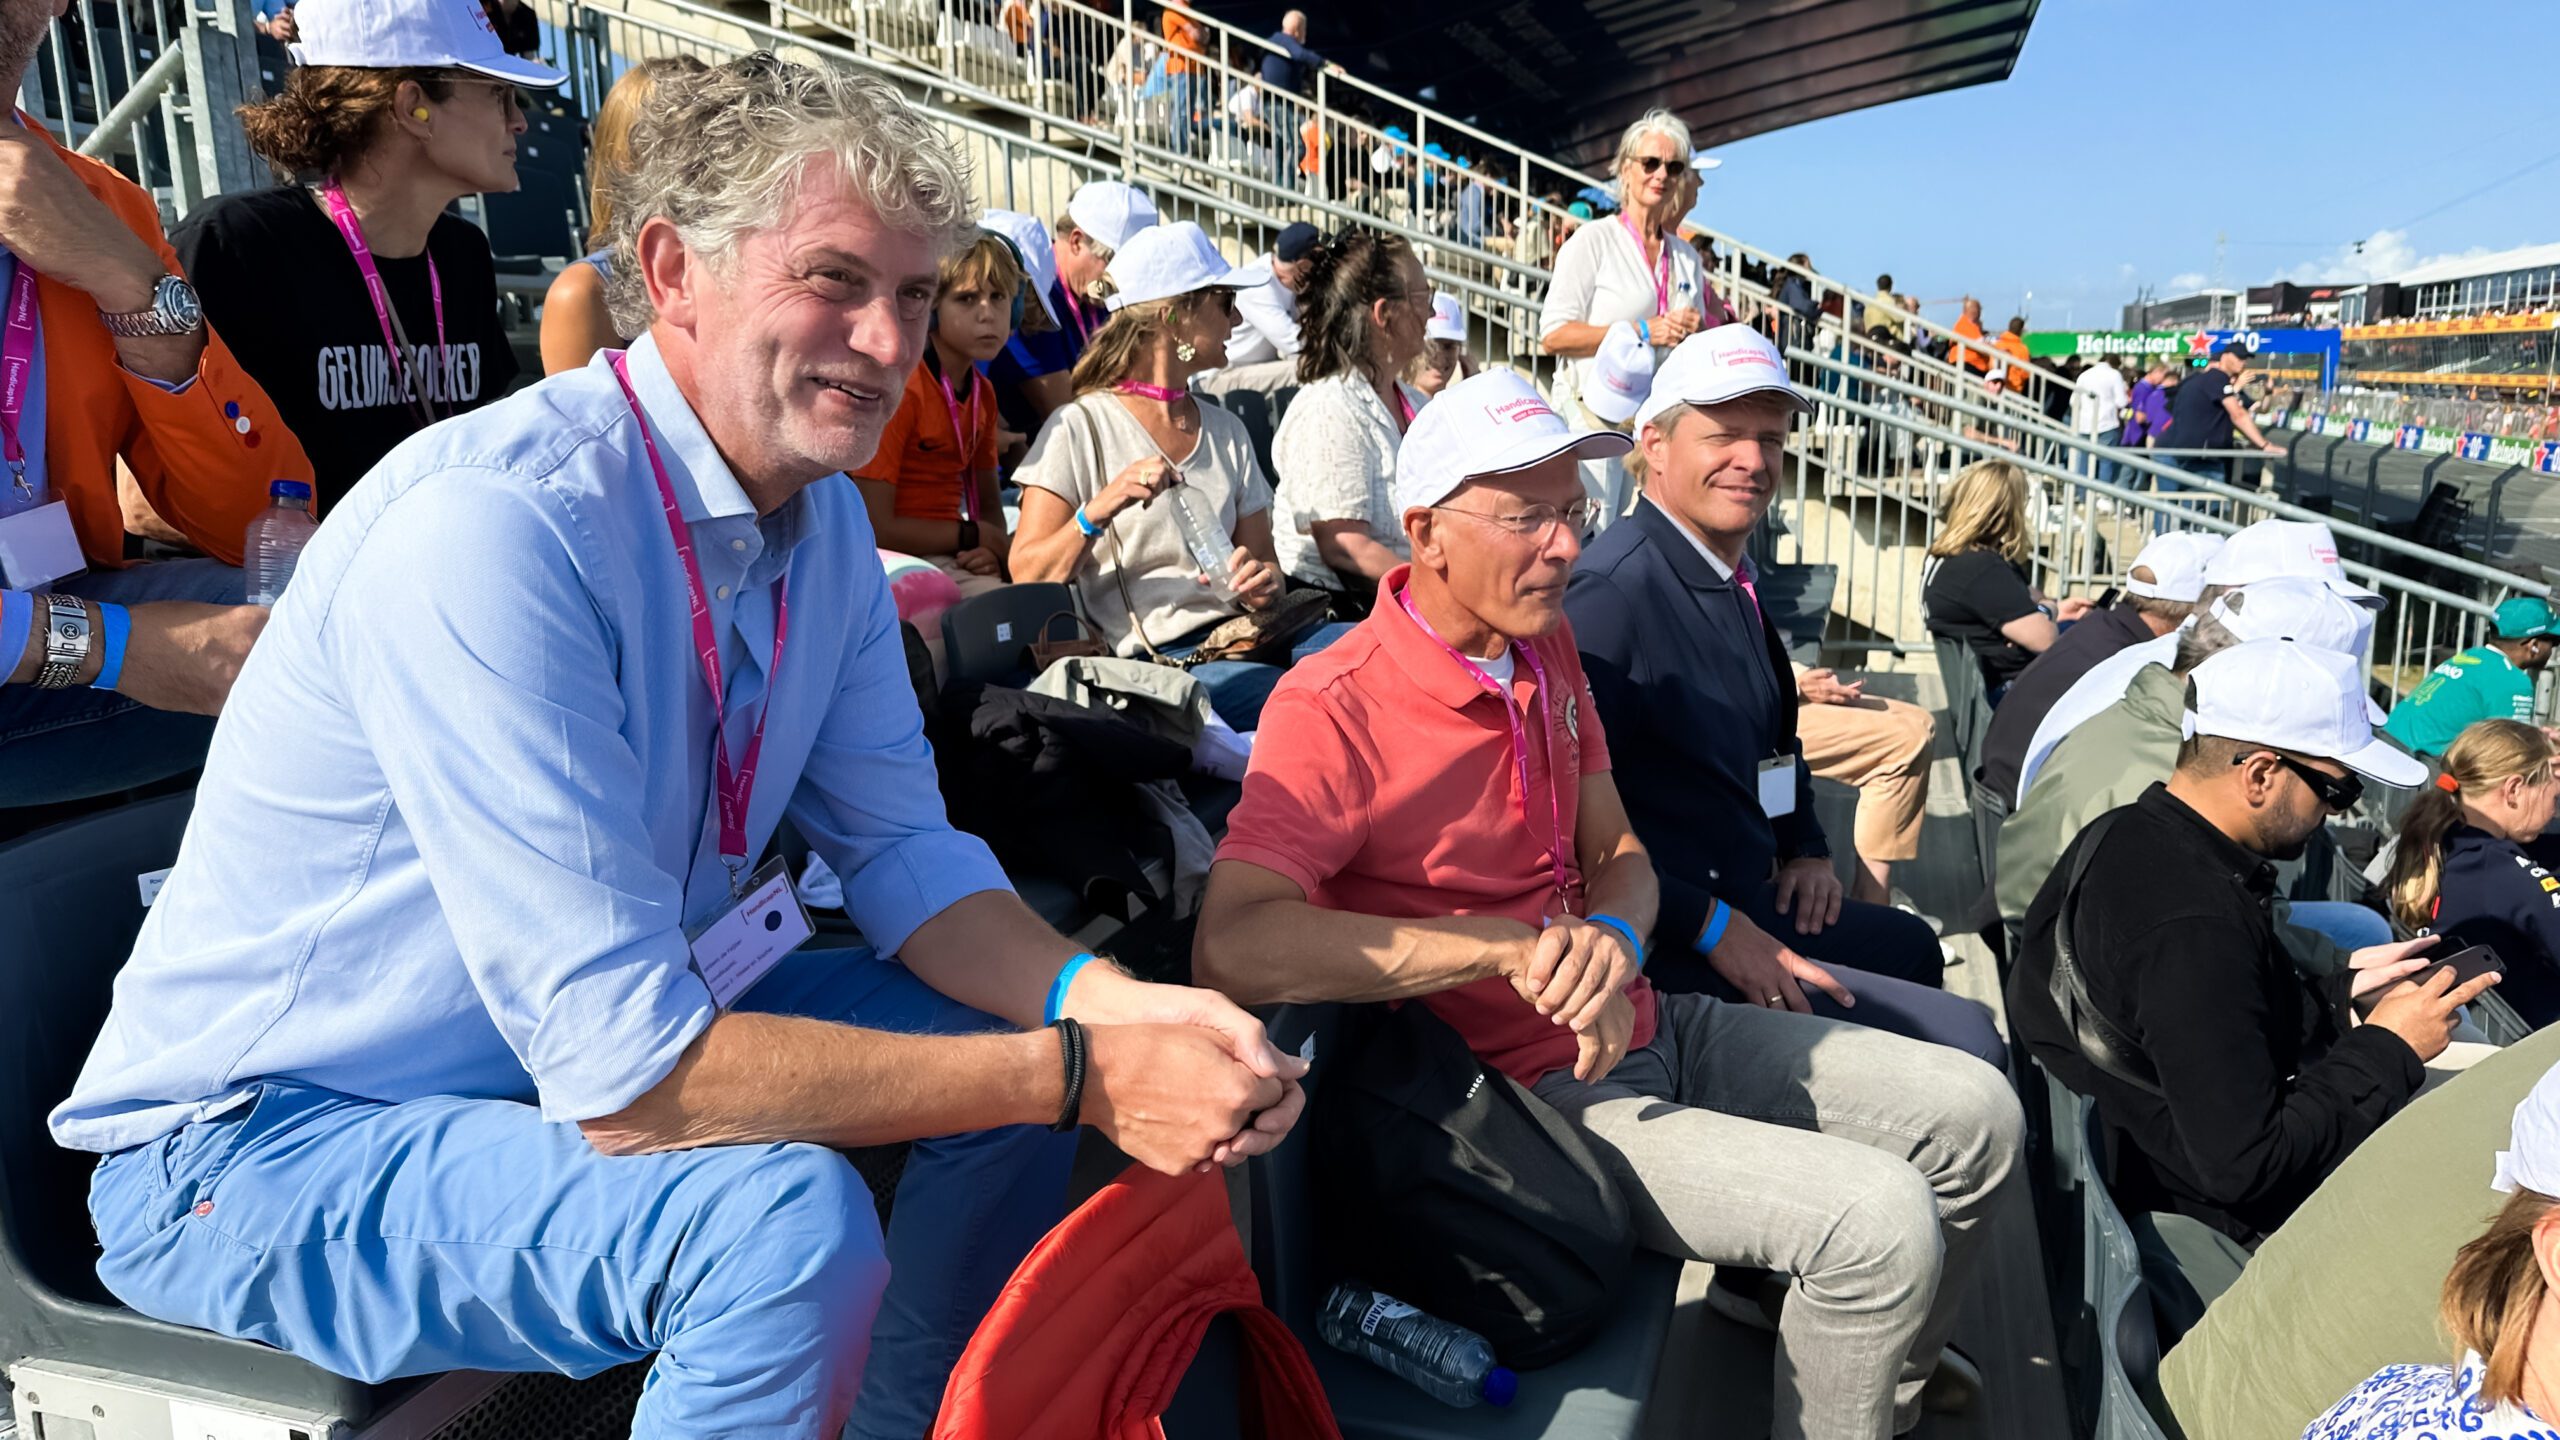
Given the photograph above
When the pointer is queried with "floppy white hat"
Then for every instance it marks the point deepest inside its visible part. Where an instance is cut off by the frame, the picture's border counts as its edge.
(404, 34)
(2290, 696)
(1163, 261)
(1111, 212)
(1717, 365)
(2285, 547)
(1031, 238)
(2176, 561)
(1620, 377)
(1488, 424)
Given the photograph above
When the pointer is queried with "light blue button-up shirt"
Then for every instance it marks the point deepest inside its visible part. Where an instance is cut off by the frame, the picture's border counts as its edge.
(458, 816)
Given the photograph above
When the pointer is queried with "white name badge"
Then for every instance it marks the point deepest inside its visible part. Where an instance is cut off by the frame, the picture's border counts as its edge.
(1778, 786)
(38, 547)
(744, 942)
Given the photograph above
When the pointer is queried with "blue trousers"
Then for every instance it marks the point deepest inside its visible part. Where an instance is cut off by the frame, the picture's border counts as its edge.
(2352, 926)
(58, 745)
(377, 1240)
(1888, 958)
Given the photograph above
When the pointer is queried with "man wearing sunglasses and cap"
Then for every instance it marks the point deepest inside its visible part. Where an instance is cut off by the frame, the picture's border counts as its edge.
(1431, 815)
(2153, 978)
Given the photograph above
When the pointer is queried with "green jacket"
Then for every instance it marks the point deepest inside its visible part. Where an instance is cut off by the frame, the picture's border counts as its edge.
(2107, 762)
(2478, 684)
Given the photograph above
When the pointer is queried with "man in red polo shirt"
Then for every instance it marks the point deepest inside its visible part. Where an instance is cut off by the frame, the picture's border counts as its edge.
(1430, 815)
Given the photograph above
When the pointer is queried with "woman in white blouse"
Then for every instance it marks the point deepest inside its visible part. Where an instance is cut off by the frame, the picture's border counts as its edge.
(2501, 1305)
(1631, 267)
(1365, 306)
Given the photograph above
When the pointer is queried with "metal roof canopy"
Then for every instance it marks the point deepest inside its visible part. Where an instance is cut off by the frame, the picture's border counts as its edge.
(1566, 76)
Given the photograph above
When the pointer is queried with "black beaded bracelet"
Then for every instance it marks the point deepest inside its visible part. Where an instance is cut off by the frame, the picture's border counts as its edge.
(1071, 1051)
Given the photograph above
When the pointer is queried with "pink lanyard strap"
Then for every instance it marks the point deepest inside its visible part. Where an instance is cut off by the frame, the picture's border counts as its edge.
(17, 371)
(351, 230)
(1404, 410)
(1075, 313)
(965, 438)
(732, 786)
(1662, 266)
(1519, 740)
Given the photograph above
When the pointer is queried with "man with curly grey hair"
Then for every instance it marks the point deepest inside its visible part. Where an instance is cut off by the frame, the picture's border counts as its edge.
(472, 1037)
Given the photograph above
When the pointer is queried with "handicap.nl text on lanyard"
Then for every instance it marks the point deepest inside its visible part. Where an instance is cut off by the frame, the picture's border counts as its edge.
(1511, 712)
(403, 359)
(764, 920)
(38, 544)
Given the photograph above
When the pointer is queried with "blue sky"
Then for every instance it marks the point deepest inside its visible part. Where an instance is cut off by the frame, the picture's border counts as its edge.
(2109, 158)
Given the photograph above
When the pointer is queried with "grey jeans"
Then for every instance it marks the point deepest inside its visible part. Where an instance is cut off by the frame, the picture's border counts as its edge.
(1862, 1164)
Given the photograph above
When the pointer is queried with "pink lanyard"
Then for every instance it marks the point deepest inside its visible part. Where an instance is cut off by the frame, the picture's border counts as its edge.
(1165, 394)
(17, 370)
(732, 786)
(964, 438)
(1075, 312)
(352, 230)
(1404, 410)
(1519, 740)
(1662, 268)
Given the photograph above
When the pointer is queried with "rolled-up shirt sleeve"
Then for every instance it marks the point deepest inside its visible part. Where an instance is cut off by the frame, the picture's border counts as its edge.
(493, 710)
(868, 801)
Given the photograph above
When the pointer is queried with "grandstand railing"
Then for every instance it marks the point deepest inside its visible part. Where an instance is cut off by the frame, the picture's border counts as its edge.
(1870, 465)
(151, 90)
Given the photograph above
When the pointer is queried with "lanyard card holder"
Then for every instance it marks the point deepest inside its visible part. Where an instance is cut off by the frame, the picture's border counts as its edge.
(1778, 786)
(742, 944)
(38, 547)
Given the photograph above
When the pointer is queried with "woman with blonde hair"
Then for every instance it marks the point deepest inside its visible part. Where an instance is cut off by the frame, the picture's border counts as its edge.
(2501, 1305)
(1974, 586)
(2462, 871)
(576, 322)
(1149, 503)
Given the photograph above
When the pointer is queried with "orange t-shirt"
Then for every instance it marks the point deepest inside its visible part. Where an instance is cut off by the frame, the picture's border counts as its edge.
(1383, 783)
(919, 453)
(1183, 33)
(1965, 355)
(2015, 347)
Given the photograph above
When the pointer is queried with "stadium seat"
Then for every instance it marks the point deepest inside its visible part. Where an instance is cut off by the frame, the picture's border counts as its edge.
(1797, 599)
(988, 638)
(1602, 1390)
(69, 911)
(2130, 1336)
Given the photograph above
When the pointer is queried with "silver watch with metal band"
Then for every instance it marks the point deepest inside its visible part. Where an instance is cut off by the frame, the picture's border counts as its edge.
(67, 637)
(174, 311)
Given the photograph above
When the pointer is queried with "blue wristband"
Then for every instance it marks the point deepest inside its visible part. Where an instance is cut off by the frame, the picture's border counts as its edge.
(1058, 987)
(1083, 523)
(1644, 331)
(1717, 919)
(117, 623)
(17, 619)
(1625, 929)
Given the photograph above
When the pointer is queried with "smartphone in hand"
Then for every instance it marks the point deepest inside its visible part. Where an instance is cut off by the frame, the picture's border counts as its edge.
(2467, 965)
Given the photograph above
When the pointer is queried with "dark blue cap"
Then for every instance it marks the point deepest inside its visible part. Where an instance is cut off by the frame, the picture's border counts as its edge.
(1294, 242)
(1501, 1387)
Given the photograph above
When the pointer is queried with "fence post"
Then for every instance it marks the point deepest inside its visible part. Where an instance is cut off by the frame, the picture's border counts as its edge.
(222, 75)
(1132, 81)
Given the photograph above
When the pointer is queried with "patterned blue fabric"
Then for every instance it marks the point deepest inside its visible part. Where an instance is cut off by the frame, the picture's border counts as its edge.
(2427, 1402)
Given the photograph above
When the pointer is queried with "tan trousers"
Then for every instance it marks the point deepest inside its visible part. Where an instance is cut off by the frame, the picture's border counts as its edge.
(1880, 748)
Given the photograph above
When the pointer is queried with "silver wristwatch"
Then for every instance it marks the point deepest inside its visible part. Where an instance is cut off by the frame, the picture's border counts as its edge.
(174, 311)
(67, 636)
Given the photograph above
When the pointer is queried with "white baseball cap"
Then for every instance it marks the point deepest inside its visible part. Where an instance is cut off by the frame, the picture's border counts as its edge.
(1488, 424)
(2176, 561)
(2531, 1160)
(1111, 212)
(2271, 548)
(2306, 612)
(1717, 365)
(401, 34)
(1031, 238)
(1448, 318)
(1163, 261)
(1702, 162)
(1620, 377)
(2289, 696)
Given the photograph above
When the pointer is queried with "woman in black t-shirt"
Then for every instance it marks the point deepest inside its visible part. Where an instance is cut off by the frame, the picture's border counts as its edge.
(376, 146)
(1974, 586)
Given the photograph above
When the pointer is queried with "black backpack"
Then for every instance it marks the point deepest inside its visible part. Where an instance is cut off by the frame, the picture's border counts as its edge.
(1447, 1185)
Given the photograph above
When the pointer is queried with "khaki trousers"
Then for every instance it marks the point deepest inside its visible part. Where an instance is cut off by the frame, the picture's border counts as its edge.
(1880, 748)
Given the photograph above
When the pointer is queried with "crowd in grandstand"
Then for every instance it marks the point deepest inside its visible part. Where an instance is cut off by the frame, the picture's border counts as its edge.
(473, 1028)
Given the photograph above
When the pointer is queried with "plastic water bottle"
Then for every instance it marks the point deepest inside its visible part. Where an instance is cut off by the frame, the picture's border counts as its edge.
(1209, 548)
(276, 539)
(1450, 1363)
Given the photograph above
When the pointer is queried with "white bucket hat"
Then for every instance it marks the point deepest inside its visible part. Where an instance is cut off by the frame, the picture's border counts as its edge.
(405, 34)
(1163, 261)
(1488, 424)
(2289, 696)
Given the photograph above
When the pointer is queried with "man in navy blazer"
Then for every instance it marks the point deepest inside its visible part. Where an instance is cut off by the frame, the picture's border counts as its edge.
(1693, 683)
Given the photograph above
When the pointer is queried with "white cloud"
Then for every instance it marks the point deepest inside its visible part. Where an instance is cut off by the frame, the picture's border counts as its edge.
(2186, 282)
(2379, 256)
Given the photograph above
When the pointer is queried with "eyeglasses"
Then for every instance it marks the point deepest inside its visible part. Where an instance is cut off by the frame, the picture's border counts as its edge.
(510, 97)
(1651, 163)
(1538, 522)
(2339, 792)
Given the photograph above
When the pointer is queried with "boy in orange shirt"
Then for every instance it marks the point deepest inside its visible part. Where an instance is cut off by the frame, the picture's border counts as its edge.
(931, 486)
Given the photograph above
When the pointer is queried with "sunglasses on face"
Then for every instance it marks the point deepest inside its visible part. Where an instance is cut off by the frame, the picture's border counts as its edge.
(2338, 792)
(1651, 164)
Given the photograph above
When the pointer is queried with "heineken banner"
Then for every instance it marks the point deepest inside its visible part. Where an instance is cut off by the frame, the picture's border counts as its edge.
(2191, 346)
